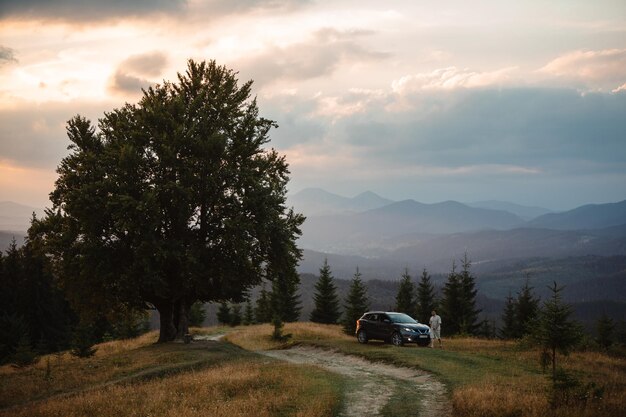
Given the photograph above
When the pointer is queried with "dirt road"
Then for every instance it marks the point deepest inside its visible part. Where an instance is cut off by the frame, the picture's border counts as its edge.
(372, 384)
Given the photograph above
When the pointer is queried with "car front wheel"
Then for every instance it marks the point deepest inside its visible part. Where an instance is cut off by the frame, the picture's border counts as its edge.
(396, 339)
(361, 336)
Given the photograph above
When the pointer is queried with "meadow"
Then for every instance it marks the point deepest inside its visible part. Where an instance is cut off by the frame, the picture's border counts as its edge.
(141, 378)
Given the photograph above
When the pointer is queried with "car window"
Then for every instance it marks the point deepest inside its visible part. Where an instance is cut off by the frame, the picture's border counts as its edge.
(401, 318)
(383, 317)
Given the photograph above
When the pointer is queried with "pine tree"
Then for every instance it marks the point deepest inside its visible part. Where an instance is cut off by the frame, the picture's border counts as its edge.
(405, 301)
(425, 298)
(605, 328)
(355, 304)
(469, 314)
(555, 331)
(263, 310)
(284, 298)
(451, 312)
(248, 316)
(509, 319)
(223, 313)
(326, 301)
(526, 310)
(235, 315)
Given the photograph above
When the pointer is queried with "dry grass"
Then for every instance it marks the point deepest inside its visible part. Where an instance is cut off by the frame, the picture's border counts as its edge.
(486, 377)
(233, 390)
(139, 377)
(259, 337)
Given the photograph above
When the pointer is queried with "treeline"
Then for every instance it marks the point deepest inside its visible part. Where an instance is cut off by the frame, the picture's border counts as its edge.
(457, 305)
(36, 317)
(455, 301)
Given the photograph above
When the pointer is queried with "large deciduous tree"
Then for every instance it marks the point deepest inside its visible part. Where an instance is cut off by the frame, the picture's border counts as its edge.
(172, 200)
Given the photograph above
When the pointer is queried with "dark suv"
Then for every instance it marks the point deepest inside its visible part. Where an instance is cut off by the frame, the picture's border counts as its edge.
(396, 328)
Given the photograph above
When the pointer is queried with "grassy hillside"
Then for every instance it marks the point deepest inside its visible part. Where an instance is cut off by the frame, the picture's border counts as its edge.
(139, 377)
(485, 377)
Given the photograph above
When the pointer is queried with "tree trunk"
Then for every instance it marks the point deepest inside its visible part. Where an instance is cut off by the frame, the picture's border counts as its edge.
(167, 331)
(182, 319)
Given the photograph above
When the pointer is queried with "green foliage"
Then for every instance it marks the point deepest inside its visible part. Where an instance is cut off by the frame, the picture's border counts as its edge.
(33, 310)
(284, 299)
(509, 319)
(277, 333)
(223, 313)
(555, 332)
(24, 353)
(263, 310)
(458, 305)
(567, 390)
(605, 328)
(355, 304)
(526, 310)
(405, 302)
(425, 302)
(172, 200)
(235, 315)
(248, 315)
(326, 308)
(197, 314)
(83, 341)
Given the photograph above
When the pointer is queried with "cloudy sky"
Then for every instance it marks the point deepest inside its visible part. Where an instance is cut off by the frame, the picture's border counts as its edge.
(454, 100)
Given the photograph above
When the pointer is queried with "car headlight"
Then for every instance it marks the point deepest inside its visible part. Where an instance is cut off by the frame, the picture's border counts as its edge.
(406, 329)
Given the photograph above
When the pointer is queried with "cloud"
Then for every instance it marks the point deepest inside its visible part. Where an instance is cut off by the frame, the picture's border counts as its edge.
(451, 78)
(133, 73)
(77, 11)
(604, 69)
(85, 10)
(321, 55)
(482, 134)
(7, 55)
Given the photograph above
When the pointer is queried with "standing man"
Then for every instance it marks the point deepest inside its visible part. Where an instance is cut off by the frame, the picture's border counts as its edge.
(435, 329)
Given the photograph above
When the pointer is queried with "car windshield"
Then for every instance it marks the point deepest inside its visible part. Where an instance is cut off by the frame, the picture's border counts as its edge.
(401, 318)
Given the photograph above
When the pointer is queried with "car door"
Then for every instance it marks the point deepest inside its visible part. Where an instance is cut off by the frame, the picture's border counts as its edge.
(372, 326)
(385, 328)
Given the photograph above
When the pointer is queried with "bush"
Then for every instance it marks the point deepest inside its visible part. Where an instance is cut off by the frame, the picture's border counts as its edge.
(83, 341)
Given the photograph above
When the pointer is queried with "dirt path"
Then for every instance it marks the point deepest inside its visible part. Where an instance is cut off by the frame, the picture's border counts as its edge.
(373, 383)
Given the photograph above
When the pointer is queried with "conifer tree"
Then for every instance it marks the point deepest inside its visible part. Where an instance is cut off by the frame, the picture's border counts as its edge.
(263, 310)
(223, 313)
(248, 317)
(326, 308)
(284, 298)
(605, 328)
(355, 304)
(556, 332)
(526, 310)
(405, 301)
(451, 311)
(509, 319)
(469, 313)
(235, 315)
(425, 298)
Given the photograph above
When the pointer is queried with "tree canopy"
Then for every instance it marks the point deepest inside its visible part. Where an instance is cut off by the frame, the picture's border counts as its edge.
(172, 200)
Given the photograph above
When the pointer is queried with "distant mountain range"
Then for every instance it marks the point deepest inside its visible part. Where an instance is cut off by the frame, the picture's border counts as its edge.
(16, 217)
(432, 231)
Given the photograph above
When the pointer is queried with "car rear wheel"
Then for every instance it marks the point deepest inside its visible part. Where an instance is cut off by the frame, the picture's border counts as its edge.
(361, 336)
(396, 339)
